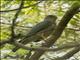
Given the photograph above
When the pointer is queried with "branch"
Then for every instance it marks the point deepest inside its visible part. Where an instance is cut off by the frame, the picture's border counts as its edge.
(45, 48)
(26, 27)
(5, 11)
(4, 42)
(58, 31)
(75, 29)
(15, 25)
(9, 40)
(14, 21)
(69, 54)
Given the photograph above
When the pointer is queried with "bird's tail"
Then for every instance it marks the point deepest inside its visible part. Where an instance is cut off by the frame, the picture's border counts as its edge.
(17, 47)
(23, 41)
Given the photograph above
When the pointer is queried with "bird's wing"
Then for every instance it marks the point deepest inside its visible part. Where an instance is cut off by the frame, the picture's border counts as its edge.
(39, 27)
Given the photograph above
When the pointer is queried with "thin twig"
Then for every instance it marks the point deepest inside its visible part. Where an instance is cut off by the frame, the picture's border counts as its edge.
(25, 27)
(22, 7)
(46, 48)
(14, 20)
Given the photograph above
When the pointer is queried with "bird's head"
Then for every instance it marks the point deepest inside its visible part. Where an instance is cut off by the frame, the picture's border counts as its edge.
(51, 18)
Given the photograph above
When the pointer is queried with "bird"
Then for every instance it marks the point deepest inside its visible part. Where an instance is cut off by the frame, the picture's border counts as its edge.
(40, 30)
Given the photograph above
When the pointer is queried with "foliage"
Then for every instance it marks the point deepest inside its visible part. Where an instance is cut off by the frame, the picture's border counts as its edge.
(30, 16)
